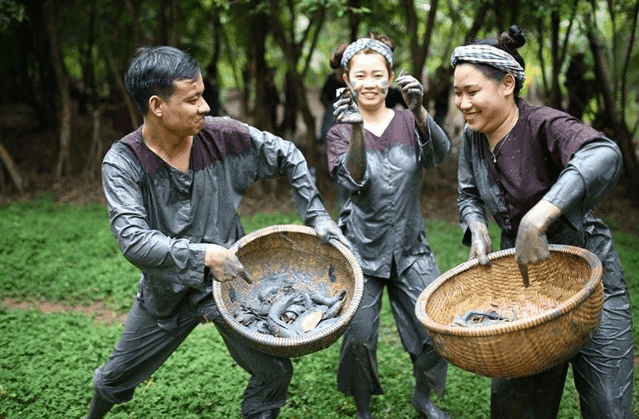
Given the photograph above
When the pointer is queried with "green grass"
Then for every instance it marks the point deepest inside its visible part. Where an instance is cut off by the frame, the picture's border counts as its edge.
(66, 253)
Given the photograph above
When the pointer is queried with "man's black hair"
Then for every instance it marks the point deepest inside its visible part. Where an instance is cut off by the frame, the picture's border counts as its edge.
(154, 70)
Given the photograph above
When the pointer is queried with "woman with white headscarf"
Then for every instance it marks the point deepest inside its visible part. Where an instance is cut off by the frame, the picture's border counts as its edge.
(378, 154)
(540, 171)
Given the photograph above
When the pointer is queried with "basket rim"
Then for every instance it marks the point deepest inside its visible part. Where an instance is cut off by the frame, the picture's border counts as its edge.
(503, 328)
(313, 337)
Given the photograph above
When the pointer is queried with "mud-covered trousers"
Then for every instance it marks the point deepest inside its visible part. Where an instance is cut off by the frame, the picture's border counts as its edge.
(357, 369)
(602, 370)
(144, 346)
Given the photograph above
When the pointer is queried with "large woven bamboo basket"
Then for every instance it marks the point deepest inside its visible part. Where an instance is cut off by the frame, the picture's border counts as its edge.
(292, 248)
(554, 317)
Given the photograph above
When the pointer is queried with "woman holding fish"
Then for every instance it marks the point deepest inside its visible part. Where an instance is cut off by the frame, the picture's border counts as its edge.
(378, 154)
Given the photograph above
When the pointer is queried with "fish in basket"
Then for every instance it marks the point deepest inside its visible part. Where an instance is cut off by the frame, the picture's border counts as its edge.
(303, 296)
(484, 320)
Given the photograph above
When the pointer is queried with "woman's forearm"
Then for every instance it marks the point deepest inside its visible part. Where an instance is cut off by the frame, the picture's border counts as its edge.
(356, 156)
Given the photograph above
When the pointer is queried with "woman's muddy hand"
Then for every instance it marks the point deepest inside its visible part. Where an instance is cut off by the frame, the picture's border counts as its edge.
(346, 109)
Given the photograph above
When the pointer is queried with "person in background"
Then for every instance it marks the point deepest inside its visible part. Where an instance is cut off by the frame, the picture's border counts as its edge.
(540, 171)
(173, 186)
(378, 154)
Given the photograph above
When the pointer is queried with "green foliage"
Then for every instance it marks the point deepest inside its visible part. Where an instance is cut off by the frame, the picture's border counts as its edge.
(46, 363)
(264, 219)
(10, 11)
(64, 252)
(627, 245)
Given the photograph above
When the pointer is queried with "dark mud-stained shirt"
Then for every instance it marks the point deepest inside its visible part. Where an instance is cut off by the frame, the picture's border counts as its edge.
(548, 155)
(163, 218)
(527, 163)
(382, 216)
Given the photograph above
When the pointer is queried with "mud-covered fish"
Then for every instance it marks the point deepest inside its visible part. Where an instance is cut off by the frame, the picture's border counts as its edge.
(478, 318)
(278, 309)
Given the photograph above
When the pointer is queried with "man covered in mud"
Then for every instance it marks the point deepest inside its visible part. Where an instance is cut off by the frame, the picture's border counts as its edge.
(173, 186)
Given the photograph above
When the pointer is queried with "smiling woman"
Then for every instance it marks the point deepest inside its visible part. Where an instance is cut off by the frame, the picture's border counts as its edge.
(369, 80)
(484, 93)
(540, 171)
(378, 154)
(487, 106)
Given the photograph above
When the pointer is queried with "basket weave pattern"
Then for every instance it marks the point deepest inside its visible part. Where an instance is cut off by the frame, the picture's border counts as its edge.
(292, 248)
(554, 317)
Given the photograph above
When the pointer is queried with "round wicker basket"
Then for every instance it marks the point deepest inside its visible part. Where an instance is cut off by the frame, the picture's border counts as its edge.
(292, 248)
(550, 320)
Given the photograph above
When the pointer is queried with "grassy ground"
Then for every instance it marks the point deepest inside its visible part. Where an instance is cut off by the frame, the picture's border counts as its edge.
(66, 253)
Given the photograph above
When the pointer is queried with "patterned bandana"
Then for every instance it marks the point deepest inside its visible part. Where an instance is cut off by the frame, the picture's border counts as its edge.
(487, 54)
(363, 43)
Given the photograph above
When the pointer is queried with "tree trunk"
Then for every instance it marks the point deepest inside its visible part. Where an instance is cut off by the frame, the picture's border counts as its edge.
(89, 94)
(133, 11)
(289, 124)
(419, 52)
(8, 163)
(354, 19)
(411, 29)
(540, 52)
(63, 165)
(161, 32)
(555, 93)
(292, 51)
(174, 36)
(119, 81)
(94, 158)
(620, 132)
(265, 91)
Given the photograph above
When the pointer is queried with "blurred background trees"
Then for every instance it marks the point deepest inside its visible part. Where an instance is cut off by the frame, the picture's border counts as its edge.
(62, 98)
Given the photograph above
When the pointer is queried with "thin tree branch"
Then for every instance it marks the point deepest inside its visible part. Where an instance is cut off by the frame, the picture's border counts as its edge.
(540, 52)
(430, 23)
(615, 46)
(626, 64)
(564, 47)
(319, 23)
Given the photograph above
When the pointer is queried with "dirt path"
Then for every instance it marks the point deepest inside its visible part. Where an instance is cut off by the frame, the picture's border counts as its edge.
(96, 310)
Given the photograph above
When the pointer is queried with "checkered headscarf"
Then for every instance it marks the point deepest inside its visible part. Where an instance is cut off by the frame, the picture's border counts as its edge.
(363, 43)
(487, 54)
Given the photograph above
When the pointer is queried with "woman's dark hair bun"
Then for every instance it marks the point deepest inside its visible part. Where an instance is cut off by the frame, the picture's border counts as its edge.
(384, 39)
(514, 38)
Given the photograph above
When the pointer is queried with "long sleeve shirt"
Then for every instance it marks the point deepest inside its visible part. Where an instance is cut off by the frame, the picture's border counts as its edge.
(547, 155)
(163, 219)
(382, 216)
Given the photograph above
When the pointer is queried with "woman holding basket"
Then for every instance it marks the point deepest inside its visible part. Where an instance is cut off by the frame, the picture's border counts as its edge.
(540, 171)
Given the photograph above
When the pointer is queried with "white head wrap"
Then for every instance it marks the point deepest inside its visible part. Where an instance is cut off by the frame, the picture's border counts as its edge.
(490, 55)
(363, 43)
